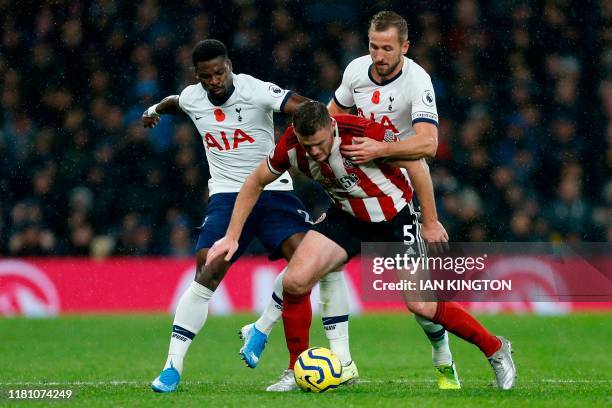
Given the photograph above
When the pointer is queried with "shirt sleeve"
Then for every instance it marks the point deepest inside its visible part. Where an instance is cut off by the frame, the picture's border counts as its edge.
(344, 94)
(183, 98)
(271, 95)
(424, 101)
(278, 159)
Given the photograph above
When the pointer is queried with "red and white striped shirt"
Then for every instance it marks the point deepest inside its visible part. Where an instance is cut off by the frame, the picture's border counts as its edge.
(373, 191)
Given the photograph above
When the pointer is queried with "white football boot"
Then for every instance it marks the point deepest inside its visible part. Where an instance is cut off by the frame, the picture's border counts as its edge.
(286, 382)
(503, 366)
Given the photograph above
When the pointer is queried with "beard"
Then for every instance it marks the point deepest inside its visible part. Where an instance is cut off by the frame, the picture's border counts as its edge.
(386, 70)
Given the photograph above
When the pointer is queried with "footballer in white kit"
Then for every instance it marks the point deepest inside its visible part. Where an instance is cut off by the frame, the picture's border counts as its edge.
(397, 103)
(236, 134)
(393, 90)
(233, 114)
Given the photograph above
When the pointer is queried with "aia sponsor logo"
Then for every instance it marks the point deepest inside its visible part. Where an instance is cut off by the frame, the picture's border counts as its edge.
(384, 120)
(26, 290)
(223, 142)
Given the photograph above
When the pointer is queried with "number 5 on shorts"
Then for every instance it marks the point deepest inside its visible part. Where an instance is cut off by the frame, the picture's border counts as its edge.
(408, 234)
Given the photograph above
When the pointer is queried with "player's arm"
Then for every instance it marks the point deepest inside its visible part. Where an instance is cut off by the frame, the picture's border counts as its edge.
(343, 100)
(293, 102)
(168, 105)
(423, 144)
(432, 230)
(247, 197)
(334, 109)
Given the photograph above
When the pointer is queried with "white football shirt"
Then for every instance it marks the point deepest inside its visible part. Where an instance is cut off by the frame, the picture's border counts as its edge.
(397, 103)
(239, 134)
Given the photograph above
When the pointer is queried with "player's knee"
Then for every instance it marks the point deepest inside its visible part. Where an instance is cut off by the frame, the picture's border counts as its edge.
(210, 275)
(296, 285)
(418, 308)
(200, 262)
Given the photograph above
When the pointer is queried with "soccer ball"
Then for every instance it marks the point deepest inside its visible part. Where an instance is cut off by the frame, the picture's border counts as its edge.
(317, 369)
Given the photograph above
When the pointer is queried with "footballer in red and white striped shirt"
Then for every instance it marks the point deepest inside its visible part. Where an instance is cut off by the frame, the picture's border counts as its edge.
(372, 205)
(374, 191)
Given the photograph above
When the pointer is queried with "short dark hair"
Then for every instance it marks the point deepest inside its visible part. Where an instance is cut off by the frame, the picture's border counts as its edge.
(382, 20)
(309, 117)
(208, 49)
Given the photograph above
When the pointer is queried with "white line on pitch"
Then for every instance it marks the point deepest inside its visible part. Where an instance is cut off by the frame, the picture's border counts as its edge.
(544, 380)
(362, 381)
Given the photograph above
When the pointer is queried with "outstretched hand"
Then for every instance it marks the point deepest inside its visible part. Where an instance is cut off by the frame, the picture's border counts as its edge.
(225, 245)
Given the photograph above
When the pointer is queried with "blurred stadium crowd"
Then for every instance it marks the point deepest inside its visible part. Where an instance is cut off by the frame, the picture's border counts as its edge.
(524, 92)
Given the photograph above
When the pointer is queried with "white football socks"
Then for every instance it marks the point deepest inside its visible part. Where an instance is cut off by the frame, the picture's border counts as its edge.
(438, 337)
(335, 314)
(191, 313)
(334, 310)
(274, 309)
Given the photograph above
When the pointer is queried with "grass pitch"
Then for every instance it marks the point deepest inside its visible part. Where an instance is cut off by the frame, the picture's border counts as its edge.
(110, 360)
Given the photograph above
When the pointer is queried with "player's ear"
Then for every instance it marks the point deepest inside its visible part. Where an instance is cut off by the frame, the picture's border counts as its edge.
(405, 47)
(332, 126)
(229, 64)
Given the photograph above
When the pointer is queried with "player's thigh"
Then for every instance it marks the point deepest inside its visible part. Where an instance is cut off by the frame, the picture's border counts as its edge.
(316, 256)
(214, 226)
(282, 222)
(215, 222)
(344, 230)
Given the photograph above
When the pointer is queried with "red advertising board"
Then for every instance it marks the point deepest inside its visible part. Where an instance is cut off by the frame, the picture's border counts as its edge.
(51, 286)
